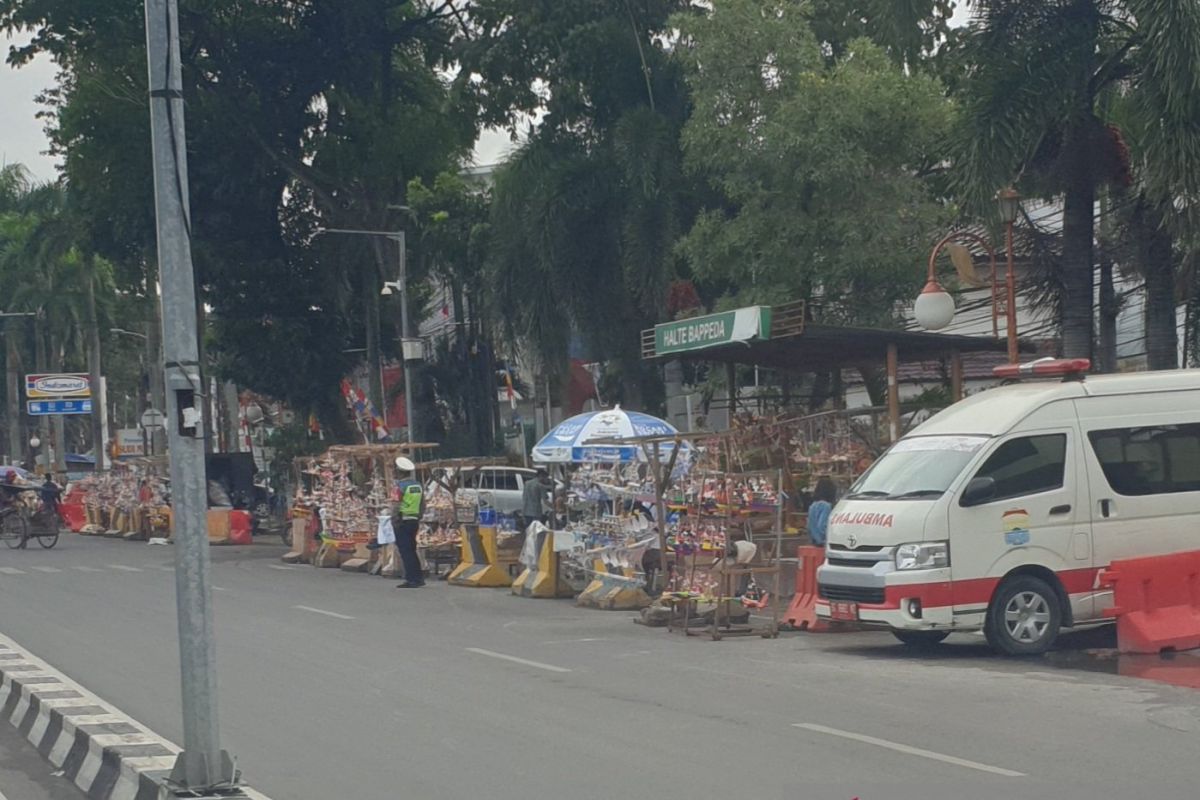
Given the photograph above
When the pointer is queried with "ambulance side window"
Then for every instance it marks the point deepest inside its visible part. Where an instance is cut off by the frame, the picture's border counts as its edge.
(1027, 465)
(1163, 459)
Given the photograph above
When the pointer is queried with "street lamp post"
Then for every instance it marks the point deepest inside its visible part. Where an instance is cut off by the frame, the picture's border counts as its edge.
(1010, 205)
(400, 285)
(934, 307)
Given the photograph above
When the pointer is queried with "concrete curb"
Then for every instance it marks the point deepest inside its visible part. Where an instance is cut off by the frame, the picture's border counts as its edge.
(103, 751)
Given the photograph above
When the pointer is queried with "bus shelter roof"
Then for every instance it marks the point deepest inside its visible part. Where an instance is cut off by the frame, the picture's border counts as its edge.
(792, 342)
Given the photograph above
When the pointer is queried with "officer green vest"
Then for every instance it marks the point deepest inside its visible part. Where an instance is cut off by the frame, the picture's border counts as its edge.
(410, 500)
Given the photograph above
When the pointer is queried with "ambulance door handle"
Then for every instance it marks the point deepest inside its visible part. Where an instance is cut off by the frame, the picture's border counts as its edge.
(1106, 508)
(1057, 510)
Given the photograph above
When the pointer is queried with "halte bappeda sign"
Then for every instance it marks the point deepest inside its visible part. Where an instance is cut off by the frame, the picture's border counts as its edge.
(739, 325)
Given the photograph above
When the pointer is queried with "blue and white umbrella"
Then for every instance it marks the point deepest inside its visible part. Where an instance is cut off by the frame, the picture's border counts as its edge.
(568, 441)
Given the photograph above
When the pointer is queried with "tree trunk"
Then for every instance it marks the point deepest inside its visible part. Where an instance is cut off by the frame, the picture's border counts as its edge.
(39, 345)
(1078, 232)
(374, 357)
(1154, 250)
(233, 421)
(154, 360)
(12, 385)
(1079, 187)
(1109, 310)
(874, 382)
(94, 371)
(207, 385)
(57, 423)
(821, 391)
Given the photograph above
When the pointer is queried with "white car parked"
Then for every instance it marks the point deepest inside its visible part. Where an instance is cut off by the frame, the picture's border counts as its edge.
(499, 487)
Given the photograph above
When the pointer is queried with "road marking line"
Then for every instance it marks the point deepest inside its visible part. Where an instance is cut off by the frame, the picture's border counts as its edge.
(574, 641)
(322, 611)
(88, 569)
(280, 566)
(515, 660)
(11, 571)
(167, 569)
(220, 589)
(124, 568)
(912, 751)
(47, 569)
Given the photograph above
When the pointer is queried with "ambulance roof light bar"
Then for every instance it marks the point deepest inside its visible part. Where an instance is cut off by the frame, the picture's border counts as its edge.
(1067, 368)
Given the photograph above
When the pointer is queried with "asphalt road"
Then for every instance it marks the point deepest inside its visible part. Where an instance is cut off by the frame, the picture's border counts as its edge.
(337, 685)
(25, 775)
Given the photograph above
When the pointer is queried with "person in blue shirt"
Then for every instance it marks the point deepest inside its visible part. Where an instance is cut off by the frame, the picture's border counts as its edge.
(824, 498)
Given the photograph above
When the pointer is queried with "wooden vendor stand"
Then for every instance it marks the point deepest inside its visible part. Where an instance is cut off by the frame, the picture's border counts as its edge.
(348, 548)
(722, 623)
(450, 474)
(661, 472)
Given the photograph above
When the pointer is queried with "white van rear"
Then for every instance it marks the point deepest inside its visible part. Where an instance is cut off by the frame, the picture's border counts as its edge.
(999, 513)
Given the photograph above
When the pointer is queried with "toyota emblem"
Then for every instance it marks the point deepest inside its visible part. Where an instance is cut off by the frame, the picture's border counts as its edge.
(852, 541)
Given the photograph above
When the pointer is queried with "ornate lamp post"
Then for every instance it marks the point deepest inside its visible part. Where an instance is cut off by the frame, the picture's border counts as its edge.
(1010, 206)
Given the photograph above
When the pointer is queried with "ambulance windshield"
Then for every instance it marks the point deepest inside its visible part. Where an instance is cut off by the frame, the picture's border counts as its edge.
(916, 468)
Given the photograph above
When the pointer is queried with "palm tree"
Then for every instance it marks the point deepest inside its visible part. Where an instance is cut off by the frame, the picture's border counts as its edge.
(45, 272)
(1031, 111)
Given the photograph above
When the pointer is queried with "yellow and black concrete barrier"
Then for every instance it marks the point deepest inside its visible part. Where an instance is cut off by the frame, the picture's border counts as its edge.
(614, 587)
(478, 566)
(544, 578)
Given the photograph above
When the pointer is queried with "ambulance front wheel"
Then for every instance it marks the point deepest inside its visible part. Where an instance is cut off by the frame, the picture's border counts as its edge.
(1024, 617)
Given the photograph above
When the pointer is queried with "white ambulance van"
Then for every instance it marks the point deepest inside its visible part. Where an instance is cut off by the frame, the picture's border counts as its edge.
(999, 513)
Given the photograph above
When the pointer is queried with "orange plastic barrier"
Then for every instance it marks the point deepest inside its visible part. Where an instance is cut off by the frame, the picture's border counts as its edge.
(802, 613)
(241, 527)
(74, 516)
(1156, 602)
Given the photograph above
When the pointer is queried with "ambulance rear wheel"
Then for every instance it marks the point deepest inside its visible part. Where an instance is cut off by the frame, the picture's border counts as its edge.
(920, 639)
(1024, 617)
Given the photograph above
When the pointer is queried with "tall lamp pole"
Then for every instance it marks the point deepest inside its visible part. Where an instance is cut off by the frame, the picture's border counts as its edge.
(1010, 206)
(400, 285)
(203, 769)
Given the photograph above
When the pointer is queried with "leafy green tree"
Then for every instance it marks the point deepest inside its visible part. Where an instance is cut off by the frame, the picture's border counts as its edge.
(46, 272)
(913, 32)
(586, 212)
(299, 115)
(824, 164)
(452, 240)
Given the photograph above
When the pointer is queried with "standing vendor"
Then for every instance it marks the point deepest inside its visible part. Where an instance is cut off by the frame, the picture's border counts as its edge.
(533, 497)
(406, 517)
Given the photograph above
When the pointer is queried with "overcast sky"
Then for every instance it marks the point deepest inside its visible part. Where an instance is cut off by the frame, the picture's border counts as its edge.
(22, 139)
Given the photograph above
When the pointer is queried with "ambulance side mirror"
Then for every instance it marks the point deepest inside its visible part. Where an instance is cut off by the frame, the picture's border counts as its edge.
(978, 491)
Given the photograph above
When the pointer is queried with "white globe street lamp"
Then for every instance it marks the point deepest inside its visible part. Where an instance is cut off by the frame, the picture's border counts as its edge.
(934, 308)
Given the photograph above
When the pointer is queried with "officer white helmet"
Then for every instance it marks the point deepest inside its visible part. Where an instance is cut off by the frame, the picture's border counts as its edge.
(405, 465)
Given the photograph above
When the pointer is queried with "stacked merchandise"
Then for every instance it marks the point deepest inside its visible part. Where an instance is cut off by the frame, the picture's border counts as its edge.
(720, 507)
(131, 500)
(349, 501)
(445, 510)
